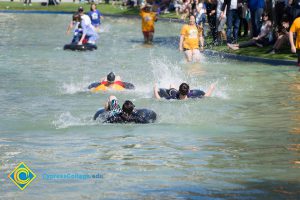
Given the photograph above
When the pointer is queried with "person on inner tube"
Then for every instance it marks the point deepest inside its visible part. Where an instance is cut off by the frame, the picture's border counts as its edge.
(127, 115)
(112, 106)
(110, 79)
(183, 92)
(87, 28)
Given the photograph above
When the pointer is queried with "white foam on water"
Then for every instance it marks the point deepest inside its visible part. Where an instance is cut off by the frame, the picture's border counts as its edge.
(105, 28)
(73, 87)
(66, 120)
(165, 72)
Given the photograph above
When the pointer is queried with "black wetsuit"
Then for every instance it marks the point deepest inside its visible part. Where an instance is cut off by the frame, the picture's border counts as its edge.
(174, 94)
(125, 118)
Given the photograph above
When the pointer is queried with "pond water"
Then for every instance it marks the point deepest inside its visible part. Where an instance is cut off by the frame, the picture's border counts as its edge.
(241, 143)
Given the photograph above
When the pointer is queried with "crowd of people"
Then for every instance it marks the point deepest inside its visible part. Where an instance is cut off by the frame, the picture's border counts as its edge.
(226, 21)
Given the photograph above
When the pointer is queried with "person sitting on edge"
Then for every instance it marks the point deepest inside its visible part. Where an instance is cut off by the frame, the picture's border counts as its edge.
(107, 81)
(87, 28)
(183, 93)
(148, 20)
(263, 39)
(127, 115)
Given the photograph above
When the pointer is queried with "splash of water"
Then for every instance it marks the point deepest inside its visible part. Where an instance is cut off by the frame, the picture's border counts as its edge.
(165, 72)
(66, 120)
(73, 87)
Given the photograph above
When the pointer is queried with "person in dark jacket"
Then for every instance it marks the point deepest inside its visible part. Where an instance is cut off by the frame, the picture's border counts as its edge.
(211, 9)
(256, 9)
(233, 19)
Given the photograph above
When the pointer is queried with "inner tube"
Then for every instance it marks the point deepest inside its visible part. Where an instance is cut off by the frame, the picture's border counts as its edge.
(148, 116)
(94, 87)
(169, 93)
(84, 47)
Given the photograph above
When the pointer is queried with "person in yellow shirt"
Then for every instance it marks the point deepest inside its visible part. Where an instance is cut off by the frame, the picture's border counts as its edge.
(148, 20)
(189, 41)
(295, 28)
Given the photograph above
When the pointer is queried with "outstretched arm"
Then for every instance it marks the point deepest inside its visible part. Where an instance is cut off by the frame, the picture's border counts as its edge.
(69, 28)
(210, 90)
(156, 95)
(94, 85)
(291, 38)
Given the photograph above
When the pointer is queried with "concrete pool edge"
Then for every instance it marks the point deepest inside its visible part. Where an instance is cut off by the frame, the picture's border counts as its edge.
(249, 58)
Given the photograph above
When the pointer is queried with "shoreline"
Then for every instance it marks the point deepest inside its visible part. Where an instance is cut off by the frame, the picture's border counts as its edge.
(207, 52)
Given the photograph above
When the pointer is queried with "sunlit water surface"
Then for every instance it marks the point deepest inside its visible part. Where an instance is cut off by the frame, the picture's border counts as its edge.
(241, 143)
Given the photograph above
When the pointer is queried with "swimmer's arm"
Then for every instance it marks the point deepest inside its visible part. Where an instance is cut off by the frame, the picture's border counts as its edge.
(69, 27)
(210, 90)
(156, 95)
(181, 43)
(94, 85)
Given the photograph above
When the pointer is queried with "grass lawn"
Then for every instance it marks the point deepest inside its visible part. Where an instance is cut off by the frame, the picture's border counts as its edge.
(285, 54)
(119, 10)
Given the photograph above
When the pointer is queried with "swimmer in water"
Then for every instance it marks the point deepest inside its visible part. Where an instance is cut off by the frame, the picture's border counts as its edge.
(112, 106)
(184, 92)
(128, 114)
(110, 79)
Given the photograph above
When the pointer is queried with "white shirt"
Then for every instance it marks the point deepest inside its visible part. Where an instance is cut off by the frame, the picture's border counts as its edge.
(233, 4)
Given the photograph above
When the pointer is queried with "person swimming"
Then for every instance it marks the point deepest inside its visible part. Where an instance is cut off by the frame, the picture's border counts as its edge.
(111, 81)
(184, 92)
(128, 114)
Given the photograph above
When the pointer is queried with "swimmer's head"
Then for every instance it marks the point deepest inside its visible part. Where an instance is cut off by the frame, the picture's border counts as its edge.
(184, 89)
(128, 107)
(80, 9)
(76, 17)
(111, 77)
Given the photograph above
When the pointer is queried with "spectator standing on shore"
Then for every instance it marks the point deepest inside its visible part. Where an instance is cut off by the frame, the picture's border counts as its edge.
(256, 9)
(220, 23)
(243, 13)
(189, 41)
(233, 19)
(27, 2)
(201, 15)
(211, 8)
